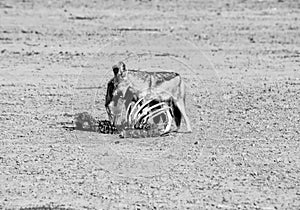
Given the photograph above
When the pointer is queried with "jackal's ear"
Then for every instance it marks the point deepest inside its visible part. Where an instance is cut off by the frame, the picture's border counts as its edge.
(122, 69)
(115, 70)
(122, 66)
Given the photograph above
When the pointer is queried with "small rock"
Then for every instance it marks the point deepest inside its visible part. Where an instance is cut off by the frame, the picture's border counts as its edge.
(251, 39)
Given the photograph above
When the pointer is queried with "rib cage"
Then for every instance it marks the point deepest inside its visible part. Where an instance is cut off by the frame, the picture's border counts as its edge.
(145, 110)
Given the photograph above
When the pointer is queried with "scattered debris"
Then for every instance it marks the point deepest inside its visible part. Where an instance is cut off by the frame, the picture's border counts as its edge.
(82, 18)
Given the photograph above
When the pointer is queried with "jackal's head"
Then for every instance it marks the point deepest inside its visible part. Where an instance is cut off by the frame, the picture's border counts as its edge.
(119, 94)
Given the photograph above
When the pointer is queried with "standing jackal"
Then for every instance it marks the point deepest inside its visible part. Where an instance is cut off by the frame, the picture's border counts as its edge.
(129, 86)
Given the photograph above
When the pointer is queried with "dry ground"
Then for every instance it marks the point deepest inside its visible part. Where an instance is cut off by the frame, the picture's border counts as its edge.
(239, 59)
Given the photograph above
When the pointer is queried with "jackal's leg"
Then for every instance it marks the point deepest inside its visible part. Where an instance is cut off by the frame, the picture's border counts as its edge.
(181, 106)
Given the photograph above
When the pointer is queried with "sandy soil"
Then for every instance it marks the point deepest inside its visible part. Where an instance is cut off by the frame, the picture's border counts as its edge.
(239, 59)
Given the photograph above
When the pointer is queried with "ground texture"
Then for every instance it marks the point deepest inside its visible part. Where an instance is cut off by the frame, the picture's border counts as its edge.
(240, 61)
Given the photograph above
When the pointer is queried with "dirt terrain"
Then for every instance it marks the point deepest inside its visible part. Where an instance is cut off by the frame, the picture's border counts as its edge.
(240, 61)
